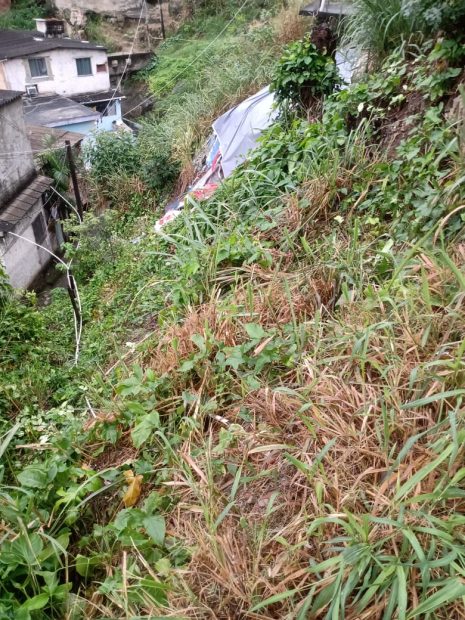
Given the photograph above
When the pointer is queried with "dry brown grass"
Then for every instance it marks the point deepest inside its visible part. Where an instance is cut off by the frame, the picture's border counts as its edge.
(177, 345)
(243, 559)
(289, 25)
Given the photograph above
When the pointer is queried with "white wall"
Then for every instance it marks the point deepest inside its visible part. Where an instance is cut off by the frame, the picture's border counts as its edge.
(64, 79)
(15, 169)
(22, 260)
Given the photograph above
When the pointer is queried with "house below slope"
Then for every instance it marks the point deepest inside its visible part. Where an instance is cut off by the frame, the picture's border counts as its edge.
(44, 62)
(61, 77)
(62, 112)
(25, 199)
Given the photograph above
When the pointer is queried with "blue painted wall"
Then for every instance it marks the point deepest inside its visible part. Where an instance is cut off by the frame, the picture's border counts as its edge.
(105, 123)
(84, 128)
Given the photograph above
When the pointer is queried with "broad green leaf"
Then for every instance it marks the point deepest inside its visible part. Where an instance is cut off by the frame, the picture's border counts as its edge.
(144, 429)
(155, 528)
(85, 565)
(33, 476)
(254, 330)
(34, 603)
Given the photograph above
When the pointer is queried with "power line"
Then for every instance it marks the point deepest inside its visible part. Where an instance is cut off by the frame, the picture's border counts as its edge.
(176, 77)
(72, 286)
(144, 5)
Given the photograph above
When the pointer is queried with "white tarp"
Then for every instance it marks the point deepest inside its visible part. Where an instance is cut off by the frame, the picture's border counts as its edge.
(239, 128)
(348, 62)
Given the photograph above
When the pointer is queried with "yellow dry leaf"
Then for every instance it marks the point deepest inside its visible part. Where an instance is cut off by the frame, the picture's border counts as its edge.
(134, 488)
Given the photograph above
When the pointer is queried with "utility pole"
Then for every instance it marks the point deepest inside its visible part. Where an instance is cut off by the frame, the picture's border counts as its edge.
(162, 20)
(72, 169)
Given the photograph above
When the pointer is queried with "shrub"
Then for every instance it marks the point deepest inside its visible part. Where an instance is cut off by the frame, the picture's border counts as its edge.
(112, 152)
(21, 15)
(303, 75)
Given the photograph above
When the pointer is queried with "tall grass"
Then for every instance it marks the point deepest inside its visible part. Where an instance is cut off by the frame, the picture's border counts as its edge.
(233, 68)
(379, 26)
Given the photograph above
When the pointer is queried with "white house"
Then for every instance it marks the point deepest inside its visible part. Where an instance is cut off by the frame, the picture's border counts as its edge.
(24, 199)
(45, 63)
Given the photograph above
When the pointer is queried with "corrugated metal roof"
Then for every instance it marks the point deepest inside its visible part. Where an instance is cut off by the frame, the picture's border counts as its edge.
(7, 96)
(328, 8)
(18, 208)
(55, 110)
(97, 97)
(44, 138)
(16, 43)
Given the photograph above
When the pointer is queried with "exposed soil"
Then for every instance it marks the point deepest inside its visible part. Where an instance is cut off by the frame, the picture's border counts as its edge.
(398, 122)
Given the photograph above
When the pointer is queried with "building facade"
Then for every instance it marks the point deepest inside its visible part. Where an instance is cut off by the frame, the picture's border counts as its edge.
(44, 65)
(66, 81)
(24, 198)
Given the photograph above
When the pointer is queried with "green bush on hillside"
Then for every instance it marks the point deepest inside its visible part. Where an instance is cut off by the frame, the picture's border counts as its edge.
(22, 14)
(304, 74)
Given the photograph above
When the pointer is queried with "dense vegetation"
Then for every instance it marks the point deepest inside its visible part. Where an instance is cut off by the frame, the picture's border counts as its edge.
(22, 15)
(266, 417)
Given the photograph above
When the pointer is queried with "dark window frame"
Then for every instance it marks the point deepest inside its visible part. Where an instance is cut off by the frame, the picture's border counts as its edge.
(39, 228)
(38, 61)
(80, 61)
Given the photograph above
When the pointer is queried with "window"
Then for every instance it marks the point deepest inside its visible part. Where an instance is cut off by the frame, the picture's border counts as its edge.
(38, 67)
(38, 228)
(102, 68)
(83, 66)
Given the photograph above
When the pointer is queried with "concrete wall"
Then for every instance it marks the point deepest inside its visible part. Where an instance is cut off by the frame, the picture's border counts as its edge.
(63, 78)
(22, 260)
(15, 170)
(104, 7)
(3, 80)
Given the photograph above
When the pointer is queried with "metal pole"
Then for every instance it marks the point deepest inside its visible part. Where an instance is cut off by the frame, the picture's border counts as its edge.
(72, 169)
(162, 20)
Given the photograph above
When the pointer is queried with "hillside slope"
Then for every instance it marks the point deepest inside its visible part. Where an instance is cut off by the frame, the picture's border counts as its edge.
(283, 435)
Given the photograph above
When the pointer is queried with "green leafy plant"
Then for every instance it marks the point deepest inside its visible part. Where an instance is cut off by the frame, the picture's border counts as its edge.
(304, 75)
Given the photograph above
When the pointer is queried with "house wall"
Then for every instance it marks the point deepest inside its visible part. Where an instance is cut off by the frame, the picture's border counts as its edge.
(63, 78)
(22, 260)
(105, 7)
(85, 128)
(3, 81)
(106, 122)
(15, 170)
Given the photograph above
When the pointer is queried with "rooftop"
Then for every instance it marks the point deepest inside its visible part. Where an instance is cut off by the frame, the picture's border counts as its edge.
(55, 110)
(328, 8)
(7, 96)
(44, 138)
(98, 97)
(23, 202)
(17, 43)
